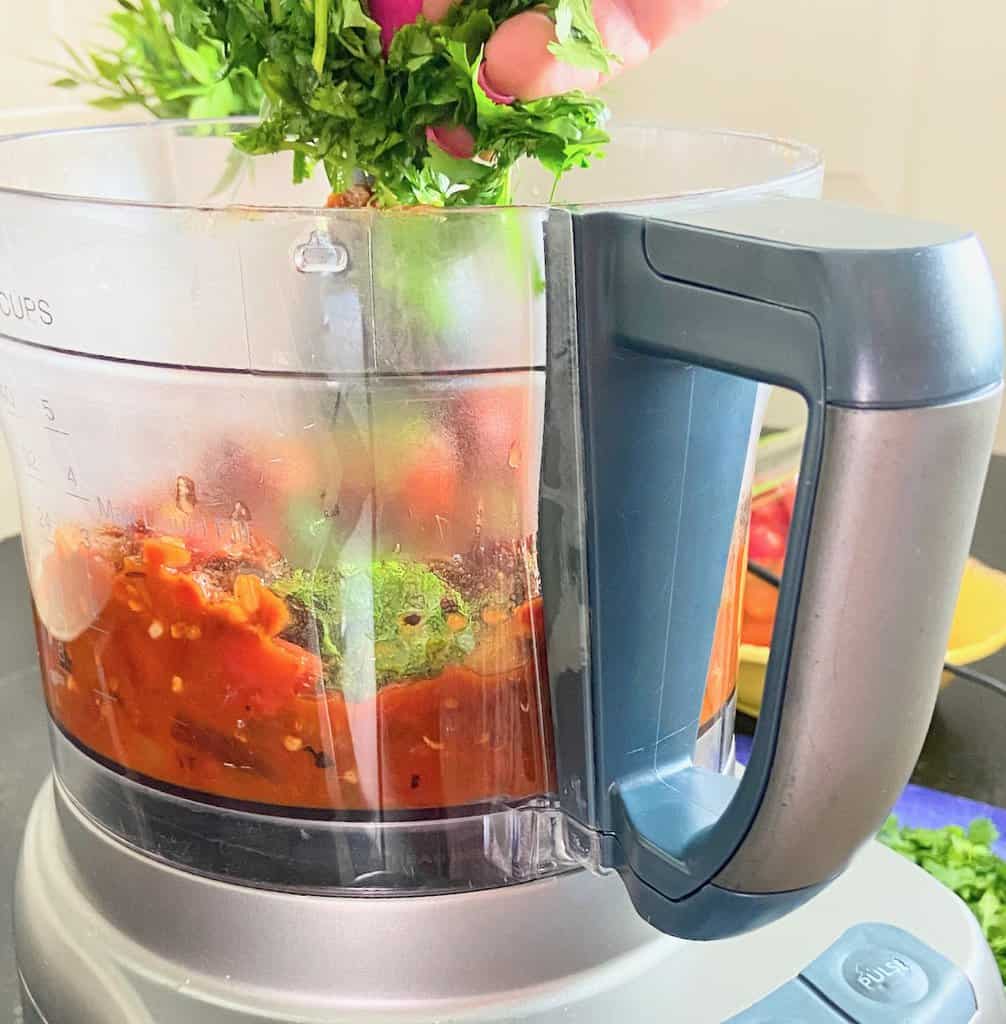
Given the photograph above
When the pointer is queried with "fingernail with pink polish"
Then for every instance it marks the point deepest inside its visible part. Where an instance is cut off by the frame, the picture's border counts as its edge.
(497, 97)
(391, 15)
(456, 142)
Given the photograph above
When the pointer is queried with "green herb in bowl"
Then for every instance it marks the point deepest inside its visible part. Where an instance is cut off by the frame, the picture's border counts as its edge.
(398, 614)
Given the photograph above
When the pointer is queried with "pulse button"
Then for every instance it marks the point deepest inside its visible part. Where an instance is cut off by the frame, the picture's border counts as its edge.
(885, 975)
(878, 974)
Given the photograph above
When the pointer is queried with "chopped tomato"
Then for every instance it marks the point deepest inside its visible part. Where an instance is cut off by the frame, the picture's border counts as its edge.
(182, 680)
(72, 585)
(721, 677)
(760, 600)
(428, 487)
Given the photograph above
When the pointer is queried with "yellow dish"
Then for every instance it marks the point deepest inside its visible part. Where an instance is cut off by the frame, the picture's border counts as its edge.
(978, 631)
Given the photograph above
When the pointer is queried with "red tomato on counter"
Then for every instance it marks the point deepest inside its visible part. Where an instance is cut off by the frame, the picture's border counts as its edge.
(771, 517)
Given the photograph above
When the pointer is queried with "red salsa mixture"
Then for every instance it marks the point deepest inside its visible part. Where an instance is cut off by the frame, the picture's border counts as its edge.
(221, 669)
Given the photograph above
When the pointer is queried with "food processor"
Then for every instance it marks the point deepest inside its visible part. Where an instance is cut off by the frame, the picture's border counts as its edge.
(387, 572)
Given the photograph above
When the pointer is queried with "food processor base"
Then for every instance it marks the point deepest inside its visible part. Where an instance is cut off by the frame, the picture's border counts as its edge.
(107, 936)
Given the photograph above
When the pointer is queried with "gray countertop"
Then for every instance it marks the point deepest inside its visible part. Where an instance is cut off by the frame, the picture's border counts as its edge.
(964, 750)
(24, 744)
(961, 753)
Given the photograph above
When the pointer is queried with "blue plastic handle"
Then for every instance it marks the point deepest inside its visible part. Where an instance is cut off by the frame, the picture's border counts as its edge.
(676, 321)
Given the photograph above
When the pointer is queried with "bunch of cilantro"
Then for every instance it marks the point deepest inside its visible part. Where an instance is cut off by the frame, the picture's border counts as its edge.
(966, 863)
(334, 98)
(316, 73)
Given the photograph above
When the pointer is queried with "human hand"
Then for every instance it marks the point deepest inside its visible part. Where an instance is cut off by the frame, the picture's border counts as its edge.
(518, 64)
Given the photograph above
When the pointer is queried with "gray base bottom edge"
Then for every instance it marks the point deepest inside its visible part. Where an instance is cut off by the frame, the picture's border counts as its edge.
(30, 1013)
(106, 936)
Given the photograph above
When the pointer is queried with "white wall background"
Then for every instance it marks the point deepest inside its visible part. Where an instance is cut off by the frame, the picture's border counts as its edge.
(906, 98)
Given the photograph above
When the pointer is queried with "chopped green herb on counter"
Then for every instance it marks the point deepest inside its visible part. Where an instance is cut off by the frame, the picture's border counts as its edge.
(964, 861)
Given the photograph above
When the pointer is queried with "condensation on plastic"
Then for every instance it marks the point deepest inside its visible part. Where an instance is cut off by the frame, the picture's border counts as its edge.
(204, 365)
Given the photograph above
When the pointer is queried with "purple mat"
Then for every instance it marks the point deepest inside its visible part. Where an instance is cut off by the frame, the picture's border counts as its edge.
(928, 808)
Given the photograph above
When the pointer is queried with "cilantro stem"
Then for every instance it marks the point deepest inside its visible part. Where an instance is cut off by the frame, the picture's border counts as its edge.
(155, 23)
(320, 35)
(138, 96)
(276, 6)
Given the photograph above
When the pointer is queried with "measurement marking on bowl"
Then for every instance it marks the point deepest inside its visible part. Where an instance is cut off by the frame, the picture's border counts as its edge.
(56, 430)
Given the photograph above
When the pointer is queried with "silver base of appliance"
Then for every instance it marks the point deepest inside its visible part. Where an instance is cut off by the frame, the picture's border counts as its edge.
(107, 936)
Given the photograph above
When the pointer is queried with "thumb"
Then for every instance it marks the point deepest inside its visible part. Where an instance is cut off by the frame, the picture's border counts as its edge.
(391, 15)
(518, 61)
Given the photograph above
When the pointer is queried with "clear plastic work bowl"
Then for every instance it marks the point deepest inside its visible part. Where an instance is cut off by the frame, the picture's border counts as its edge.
(279, 470)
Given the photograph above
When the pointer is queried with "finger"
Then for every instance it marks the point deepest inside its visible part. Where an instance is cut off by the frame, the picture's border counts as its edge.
(391, 15)
(518, 61)
(519, 53)
(434, 10)
(658, 21)
(455, 140)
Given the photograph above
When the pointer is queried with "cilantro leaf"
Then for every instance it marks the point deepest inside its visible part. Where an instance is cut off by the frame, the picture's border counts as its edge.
(166, 59)
(965, 862)
(578, 41)
(983, 832)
